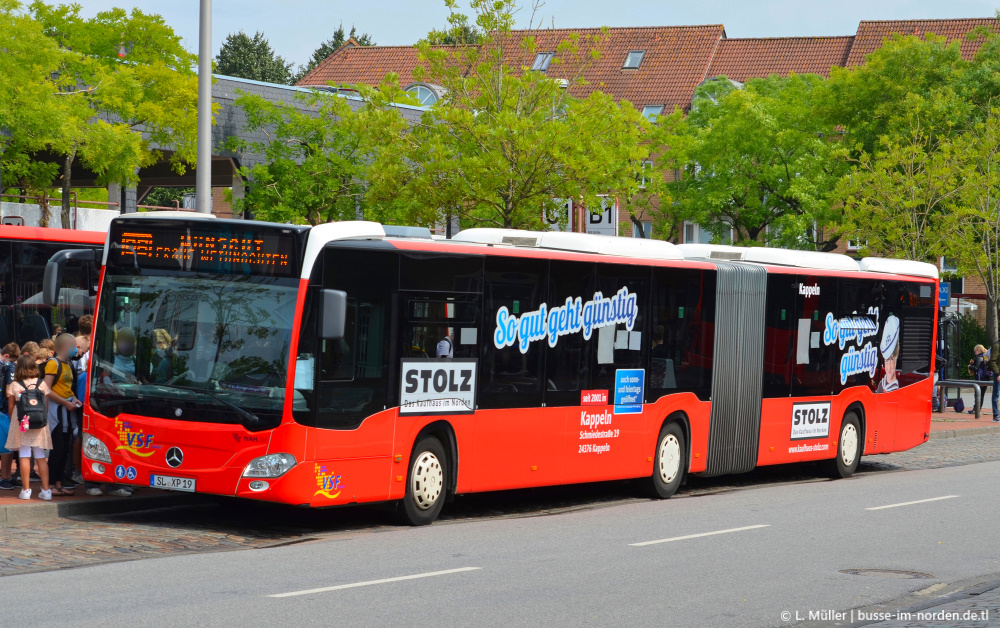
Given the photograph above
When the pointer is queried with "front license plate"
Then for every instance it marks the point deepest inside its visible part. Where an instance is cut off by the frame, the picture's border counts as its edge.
(172, 483)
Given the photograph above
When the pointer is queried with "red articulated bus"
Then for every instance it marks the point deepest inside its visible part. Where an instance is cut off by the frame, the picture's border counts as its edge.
(24, 252)
(355, 363)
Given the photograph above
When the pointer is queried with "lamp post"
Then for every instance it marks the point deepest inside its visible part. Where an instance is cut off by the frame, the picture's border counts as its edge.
(203, 182)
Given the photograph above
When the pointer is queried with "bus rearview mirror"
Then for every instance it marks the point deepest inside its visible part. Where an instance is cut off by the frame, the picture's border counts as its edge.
(334, 314)
(52, 281)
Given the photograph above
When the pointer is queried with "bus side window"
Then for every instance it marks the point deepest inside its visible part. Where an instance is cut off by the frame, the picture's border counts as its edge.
(567, 365)
(914, 305)
(509, 378)
(815, 366)
(682, 331)
(780, 331)
(615, 346)
(854, 298)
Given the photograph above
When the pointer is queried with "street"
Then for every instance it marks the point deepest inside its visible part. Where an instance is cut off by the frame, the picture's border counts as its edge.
(724, 552)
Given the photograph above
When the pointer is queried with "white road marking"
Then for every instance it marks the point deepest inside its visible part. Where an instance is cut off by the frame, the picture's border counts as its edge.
(919, 501)
(369, 583)
(695, 536)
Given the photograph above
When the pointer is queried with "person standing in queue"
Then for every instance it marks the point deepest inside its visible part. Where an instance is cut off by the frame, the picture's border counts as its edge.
(60, 377)
(993, 358)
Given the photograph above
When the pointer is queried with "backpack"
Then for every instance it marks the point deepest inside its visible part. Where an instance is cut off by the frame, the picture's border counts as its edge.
(31, 405)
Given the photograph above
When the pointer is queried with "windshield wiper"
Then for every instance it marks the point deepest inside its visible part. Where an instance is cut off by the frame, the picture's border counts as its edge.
(249, 416)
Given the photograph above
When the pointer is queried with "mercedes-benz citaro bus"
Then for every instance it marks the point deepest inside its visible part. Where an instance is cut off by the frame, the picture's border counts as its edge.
(24, 252)
(355, 363)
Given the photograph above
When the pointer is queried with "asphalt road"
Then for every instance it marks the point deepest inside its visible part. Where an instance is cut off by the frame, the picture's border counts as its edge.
(782, 548)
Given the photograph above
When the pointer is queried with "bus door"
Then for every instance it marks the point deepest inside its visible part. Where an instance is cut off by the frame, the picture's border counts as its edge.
(518, 441)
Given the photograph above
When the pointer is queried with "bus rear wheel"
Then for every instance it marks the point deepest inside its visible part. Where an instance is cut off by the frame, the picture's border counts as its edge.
(848, 448)
(668, 462)
(425, 483)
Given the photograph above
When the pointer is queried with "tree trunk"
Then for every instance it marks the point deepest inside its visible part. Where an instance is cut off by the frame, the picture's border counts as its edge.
(638, 224)
(67, 184)
(991, 319)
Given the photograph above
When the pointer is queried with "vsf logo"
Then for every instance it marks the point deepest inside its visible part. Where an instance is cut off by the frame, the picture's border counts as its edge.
(809, 291)
(436, 386)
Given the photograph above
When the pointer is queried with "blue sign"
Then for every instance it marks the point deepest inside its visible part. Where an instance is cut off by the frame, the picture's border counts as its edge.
(944, 294)
(130, 473)
(629, 390)
(120, 471)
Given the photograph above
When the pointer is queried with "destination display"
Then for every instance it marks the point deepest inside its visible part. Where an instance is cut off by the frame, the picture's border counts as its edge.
(231, 251)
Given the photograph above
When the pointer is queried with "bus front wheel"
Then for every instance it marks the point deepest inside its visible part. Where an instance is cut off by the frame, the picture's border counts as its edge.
(425, 483)
(668, 462)
(848, 448)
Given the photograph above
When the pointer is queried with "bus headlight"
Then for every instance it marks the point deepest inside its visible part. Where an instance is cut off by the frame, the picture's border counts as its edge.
(269, 466)
(94, 449)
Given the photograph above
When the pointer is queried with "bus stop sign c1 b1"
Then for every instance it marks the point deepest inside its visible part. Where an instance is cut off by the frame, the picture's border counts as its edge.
(944, 294)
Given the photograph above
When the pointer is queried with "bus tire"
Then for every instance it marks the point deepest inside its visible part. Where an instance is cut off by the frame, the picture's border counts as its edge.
(425, 483)
(668, 462)
(848, 448)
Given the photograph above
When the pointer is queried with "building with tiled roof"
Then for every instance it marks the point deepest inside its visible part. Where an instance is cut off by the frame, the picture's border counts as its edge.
(648, 66)
(354, 64)
(756, 57)
(871, 34)
(668, 62)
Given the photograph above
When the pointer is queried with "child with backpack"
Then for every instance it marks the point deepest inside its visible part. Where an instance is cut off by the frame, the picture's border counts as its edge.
(29, 433)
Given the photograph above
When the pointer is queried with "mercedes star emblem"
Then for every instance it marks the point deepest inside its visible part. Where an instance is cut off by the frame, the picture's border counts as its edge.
(175, 457)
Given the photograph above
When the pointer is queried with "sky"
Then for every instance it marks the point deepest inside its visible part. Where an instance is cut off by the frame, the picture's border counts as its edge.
(296, 27)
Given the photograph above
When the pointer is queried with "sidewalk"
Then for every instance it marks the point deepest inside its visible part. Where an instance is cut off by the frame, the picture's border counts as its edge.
(14, 510)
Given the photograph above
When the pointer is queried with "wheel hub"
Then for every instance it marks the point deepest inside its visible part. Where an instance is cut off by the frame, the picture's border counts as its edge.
(427, 480)
(849, 444)
(669, 458)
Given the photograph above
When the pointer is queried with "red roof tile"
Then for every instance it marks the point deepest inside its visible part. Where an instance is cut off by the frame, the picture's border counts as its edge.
(871, 34)
(676, 60)
(758, 57)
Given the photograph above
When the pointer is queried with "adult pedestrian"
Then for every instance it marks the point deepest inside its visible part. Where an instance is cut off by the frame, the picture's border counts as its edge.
(8, 356)
(993, 358)
(30, 442)
(60, 377)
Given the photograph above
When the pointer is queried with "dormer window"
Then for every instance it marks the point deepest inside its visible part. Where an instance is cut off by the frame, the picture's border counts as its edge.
(542, 61)
(425, 93)
(651, 111)
(634, 59)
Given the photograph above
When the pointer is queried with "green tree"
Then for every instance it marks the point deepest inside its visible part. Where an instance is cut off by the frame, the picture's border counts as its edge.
(252, 58)
(329, 47)
(760, 163)
(505, 143)
(973, 221)
(459, 32)
(316, 161)
(122, 84)
(897, 200)
(907, 78)
(29, 108)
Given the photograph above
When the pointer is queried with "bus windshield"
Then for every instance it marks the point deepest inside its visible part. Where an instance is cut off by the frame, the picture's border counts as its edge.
(193, 346)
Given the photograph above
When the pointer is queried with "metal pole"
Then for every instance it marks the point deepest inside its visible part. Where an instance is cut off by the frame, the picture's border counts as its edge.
(203, 181)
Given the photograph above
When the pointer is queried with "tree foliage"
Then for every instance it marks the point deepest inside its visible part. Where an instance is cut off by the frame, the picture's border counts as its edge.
(506, 144)
(104, 91)
(316, 160)
(759, 162)
(252, 58)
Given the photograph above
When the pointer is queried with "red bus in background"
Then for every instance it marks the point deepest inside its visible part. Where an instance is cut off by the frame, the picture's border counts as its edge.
(24, 252)
(352, 363)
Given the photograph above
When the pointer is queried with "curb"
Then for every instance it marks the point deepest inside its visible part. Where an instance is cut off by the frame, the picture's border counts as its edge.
(969, 431)
(45, 511)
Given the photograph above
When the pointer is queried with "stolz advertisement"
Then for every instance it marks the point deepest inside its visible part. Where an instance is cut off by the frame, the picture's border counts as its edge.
(437, 386)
